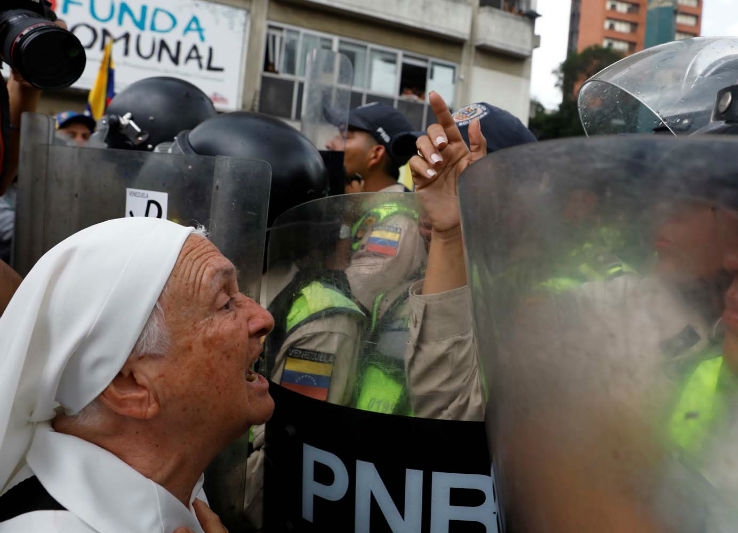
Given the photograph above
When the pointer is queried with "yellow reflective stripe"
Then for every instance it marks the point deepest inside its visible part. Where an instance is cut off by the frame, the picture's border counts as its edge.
(560, 284)
(316, 298)
(697, 406)
(380, 212)
(380, 393)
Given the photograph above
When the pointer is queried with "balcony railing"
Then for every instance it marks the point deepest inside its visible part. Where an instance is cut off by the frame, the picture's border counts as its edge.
(518, 7)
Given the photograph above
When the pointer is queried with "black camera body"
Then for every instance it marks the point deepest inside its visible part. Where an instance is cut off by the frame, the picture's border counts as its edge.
(40, 7)
(45, 54)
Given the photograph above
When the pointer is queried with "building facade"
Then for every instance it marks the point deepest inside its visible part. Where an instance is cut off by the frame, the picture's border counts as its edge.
(466, 50)
(629, 26)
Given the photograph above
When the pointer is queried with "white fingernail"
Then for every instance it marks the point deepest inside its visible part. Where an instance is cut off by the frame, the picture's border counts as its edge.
(430, 172)
(435, 158)
(440, 140)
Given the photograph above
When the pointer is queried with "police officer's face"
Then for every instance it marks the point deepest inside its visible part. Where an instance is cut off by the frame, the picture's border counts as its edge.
(688, 242)
(356, 154)
(79, 133)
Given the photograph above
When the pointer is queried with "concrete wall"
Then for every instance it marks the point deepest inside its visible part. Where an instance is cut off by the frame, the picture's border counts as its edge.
(503, 32)
(447, 18)
(503, 83)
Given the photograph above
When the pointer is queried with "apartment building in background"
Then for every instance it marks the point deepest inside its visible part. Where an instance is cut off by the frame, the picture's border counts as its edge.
(629, 26)
(251, 54)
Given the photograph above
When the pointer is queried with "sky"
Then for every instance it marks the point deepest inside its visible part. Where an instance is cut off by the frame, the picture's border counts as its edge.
(720, 18)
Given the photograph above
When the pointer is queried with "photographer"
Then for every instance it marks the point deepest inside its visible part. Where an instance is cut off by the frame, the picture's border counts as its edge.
(28, 30)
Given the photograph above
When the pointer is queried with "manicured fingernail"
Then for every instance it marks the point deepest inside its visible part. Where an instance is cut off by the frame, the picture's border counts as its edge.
(435, 158)
(440, 140)
(430, 172)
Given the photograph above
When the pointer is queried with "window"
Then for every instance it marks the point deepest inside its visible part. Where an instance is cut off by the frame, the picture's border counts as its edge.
(687, 20)
(357, 55)
(622, 7)
(689, 3)
(620, 25)
(682, 35)
(442, 79)
(381, 74)
(617, 44)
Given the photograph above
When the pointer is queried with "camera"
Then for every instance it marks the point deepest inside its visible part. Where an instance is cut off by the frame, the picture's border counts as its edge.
(47, 56)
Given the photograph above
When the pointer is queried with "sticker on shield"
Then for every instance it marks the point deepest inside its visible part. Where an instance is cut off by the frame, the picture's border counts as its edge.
(142, 203)
(308, 372)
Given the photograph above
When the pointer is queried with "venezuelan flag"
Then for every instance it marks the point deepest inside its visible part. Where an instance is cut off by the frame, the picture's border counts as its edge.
(308, 378)
(104, 89)
(384, 241)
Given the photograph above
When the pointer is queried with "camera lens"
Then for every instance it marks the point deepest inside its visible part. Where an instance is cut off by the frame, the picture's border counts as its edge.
(47, 56)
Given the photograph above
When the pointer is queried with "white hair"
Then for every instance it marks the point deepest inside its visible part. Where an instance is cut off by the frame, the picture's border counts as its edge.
(154, 341)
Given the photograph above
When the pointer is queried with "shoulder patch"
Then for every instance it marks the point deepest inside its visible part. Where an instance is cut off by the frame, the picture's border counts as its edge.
(308, 372)
(466, 114)
(365, 226)
(384, 240)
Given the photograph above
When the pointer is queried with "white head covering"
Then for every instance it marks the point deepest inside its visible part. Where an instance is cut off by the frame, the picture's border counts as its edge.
(74, 320)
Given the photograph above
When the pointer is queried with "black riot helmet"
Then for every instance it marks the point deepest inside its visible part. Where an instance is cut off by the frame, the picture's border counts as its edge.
(151, 111)
(298, 171)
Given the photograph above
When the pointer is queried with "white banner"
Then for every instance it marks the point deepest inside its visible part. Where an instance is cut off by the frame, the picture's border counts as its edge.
(201, 42)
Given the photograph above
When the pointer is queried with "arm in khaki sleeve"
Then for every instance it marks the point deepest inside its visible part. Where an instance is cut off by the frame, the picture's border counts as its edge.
(371, 273)
(338, 335)
(9, 282)
(441, 362)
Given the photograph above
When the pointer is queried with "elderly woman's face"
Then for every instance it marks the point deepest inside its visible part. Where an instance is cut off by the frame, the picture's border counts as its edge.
(215, 334)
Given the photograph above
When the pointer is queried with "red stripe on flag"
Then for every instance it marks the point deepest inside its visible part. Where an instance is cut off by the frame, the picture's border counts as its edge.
(312, 392)
(384, 250)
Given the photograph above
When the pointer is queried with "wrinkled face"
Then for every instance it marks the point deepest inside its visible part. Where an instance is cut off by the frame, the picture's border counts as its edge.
(215, 336)
(79, 133)
(688, 242)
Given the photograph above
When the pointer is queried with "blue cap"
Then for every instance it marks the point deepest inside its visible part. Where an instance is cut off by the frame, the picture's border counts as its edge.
(500, 128)
(70, 117)
(389, 128)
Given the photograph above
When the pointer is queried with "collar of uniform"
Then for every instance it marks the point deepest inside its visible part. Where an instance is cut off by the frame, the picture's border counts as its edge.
(395, 187)
(102, 490)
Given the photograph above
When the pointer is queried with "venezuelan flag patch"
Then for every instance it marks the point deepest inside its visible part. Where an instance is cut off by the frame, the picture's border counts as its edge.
(384, 240)
(308, 372)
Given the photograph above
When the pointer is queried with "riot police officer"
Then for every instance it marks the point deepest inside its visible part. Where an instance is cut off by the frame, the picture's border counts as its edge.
(152, 111)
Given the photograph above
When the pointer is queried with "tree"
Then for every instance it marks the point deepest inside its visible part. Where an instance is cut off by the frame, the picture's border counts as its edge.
(578, 67)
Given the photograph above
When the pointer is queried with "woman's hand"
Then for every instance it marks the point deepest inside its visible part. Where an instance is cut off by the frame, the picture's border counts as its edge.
(445, 157)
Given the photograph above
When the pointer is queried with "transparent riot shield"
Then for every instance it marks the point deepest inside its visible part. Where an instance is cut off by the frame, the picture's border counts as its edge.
(669, 88)
(325, 107)
(62, 189)
(346, 358)
(603, 278)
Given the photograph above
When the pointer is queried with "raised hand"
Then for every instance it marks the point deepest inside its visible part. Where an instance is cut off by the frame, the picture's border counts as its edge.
(445, 157)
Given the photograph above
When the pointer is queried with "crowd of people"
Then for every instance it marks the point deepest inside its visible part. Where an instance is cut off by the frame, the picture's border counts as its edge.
(603, 356)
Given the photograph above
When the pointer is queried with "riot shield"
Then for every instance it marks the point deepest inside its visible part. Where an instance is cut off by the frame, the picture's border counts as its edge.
(62, 189)
(325, 107)
(342, 276)
(670, 88)
(604, 288)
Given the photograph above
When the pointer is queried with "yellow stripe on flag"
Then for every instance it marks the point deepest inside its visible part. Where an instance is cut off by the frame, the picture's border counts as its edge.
(308, 367)
(99, 92)
(381, 234)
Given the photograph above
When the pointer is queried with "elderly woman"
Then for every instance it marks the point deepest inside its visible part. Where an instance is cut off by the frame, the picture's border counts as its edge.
(125, 369)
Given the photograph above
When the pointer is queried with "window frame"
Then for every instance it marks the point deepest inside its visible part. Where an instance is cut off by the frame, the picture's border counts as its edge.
(275, 27)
